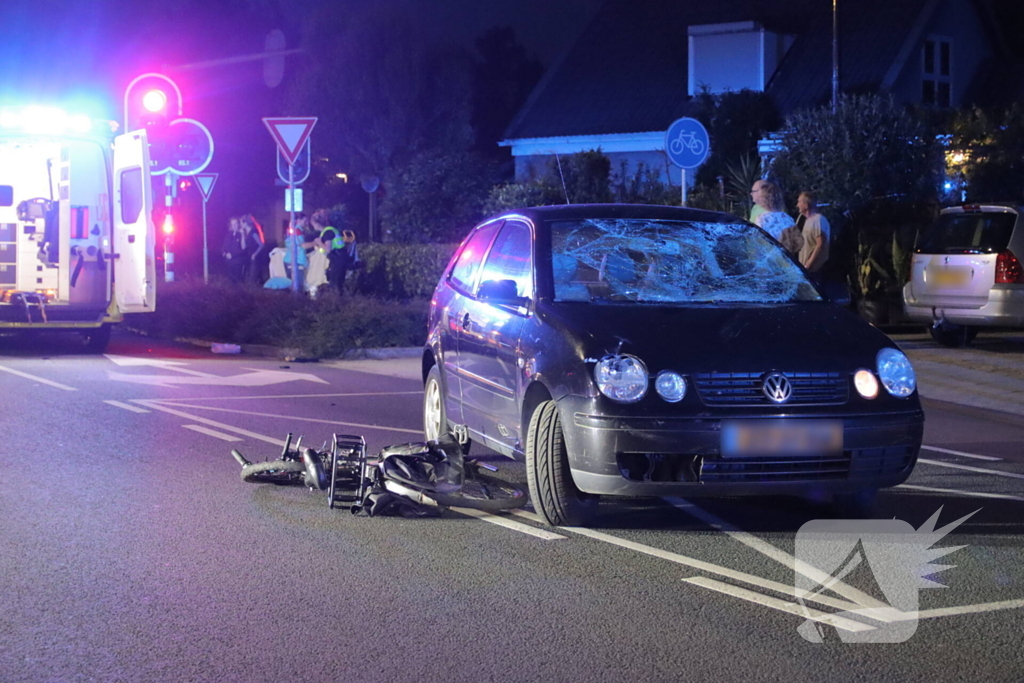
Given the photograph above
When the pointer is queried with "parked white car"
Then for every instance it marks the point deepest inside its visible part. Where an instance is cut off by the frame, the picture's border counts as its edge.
(965, 273)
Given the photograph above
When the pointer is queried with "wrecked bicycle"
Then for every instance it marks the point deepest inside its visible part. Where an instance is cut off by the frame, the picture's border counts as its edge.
(410, 478)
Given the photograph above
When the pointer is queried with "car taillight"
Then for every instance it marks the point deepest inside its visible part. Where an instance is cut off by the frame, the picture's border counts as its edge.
(1008, 269)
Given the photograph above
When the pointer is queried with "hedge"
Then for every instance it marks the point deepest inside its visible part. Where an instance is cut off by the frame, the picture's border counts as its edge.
(400, 271)
(325, 327)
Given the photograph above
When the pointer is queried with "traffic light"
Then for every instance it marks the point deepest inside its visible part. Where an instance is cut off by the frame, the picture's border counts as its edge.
(152, 102)
(168, 224)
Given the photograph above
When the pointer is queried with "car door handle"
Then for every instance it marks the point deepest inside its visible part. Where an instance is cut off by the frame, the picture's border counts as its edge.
(465, 322)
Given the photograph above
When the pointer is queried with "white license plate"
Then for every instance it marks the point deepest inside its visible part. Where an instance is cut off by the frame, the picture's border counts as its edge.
(752, 438)
(950, 277)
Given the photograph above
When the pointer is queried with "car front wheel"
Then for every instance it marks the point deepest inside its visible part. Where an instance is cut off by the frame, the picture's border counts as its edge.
(552, 490)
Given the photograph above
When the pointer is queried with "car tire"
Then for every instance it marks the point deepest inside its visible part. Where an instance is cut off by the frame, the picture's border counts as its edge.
(953, 336)
(435, 420)
(553, 492)
(857, 505)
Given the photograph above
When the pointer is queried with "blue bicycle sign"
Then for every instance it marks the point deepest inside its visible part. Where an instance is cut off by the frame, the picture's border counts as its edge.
(686, 143)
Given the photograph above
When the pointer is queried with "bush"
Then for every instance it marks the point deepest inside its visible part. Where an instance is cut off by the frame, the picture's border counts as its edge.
(400, 270)
(327, 326)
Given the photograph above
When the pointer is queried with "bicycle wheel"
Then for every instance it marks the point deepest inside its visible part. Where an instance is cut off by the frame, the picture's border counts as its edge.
(482, 492)
(274, 472)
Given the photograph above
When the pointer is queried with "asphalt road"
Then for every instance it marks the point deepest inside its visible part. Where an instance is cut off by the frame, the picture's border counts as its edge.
(131, 551)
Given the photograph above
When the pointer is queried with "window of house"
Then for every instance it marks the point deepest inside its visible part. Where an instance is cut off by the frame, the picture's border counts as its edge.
(937, 72)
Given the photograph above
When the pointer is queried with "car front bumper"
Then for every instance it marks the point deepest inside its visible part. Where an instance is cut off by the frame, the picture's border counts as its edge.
(659, 456)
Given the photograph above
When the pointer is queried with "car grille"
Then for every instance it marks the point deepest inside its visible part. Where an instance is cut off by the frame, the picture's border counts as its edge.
(867, 462)
(744, 388)
(775, 469)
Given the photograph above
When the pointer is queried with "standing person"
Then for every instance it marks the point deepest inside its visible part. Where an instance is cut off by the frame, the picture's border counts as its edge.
(233, 250)
(814, 251)
(774, 218)
(756, 210)
(296, 235)
(345, 259)
(254, 244)
(330, 242)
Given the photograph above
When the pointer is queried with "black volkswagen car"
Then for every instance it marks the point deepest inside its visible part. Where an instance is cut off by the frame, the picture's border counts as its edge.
(627, 350)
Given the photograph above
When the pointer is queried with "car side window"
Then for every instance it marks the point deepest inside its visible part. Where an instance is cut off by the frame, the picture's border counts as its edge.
(510, 258)
(472, 255)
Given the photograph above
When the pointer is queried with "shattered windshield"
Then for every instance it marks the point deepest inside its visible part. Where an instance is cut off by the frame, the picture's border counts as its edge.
(675, 262)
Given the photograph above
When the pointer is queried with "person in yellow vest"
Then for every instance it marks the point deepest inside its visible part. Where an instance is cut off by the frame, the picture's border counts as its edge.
(332, 242)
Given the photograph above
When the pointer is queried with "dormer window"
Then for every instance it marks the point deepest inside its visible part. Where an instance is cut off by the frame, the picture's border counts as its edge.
(733, 56)
(937, 71)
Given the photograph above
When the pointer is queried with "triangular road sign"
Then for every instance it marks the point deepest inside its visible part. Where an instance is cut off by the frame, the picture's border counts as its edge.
(290, 133)
(206, 181)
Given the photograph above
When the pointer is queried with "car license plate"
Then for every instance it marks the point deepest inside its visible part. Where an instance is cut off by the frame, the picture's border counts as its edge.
(950, 277)
(753, 438)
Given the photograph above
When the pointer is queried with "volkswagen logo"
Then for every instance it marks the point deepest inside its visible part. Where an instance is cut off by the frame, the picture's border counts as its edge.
(777, 387)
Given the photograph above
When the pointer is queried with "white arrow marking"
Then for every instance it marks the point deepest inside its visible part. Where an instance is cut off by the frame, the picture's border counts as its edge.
(252, 378)
(130, 361)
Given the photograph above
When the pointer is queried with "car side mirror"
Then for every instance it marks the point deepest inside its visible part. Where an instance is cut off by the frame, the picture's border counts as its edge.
(501, 292)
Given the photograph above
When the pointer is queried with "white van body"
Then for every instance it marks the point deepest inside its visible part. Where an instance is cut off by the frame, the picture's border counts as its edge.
(77, 240)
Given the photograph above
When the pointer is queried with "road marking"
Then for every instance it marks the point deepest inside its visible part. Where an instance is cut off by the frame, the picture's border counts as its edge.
(210, 432)
(134, 361)
(961, 453)
(712, 568)
(956, 492)
(782, 605)
(56, 385)
(126, 406)
(782, 557)
(510, 524)
(1012, 475)
(171, 401)
(966, 609)
(252, 377)
(213, 423)
(418, 432)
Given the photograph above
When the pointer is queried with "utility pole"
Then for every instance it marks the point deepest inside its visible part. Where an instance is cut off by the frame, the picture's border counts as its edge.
(835, 54)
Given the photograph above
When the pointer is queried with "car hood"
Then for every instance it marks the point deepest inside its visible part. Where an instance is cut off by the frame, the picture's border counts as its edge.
(799, 337)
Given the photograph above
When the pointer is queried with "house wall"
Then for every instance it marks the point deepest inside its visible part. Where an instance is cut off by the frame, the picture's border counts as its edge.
(956, 20)
(539, 165)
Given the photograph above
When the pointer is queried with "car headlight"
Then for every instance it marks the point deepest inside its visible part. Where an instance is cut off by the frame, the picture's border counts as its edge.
(621, 378)
(670, 386)
(896, 373)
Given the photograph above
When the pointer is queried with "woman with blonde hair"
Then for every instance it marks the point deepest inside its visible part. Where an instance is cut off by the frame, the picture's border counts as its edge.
(774, 219)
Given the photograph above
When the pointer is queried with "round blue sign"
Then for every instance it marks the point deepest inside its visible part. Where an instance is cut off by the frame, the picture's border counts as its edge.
(686, 143)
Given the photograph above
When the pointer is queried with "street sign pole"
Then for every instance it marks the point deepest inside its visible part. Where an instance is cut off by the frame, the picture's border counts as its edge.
(205, 183)
(291, 223)
(682, 177)
(206, 249)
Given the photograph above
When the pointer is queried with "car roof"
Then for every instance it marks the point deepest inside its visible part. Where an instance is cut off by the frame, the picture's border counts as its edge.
(540, 214)
(1000, 207)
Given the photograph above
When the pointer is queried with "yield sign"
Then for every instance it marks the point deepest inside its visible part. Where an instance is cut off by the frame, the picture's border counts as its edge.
(290, 133)
(206, 181)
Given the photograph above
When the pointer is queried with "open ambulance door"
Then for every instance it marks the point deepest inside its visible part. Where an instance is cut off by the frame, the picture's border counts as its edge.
(134, 233)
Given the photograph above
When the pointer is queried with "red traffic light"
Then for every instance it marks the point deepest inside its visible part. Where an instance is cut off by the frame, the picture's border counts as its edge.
(154, 100)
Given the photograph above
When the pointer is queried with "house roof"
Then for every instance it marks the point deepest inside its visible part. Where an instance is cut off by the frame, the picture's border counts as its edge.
(627, 72)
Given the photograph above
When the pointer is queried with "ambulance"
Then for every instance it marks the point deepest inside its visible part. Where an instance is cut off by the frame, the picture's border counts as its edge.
(77, 240)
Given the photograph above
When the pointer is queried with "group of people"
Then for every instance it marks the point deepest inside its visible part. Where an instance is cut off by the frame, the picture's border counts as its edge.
(806, 238)
(324, 255)
(242, 245)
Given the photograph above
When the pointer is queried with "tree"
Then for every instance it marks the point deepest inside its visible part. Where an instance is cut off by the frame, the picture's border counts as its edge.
(988, 149)
(735, 121)
(869, 147)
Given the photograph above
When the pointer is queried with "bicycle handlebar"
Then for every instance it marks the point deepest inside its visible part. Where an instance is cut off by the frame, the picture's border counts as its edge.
(240, 458)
